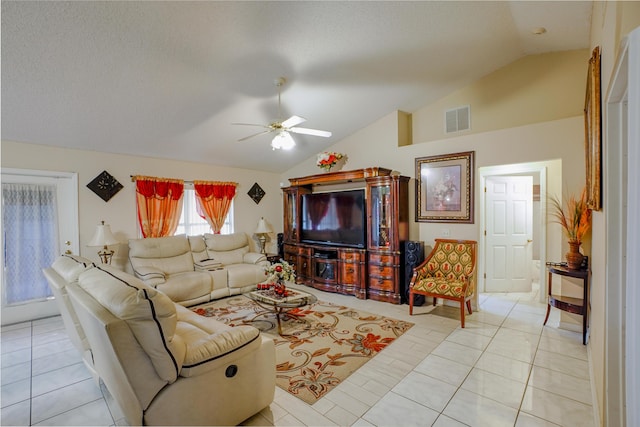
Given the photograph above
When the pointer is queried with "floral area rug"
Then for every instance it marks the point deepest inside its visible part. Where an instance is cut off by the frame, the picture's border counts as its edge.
(321, 344)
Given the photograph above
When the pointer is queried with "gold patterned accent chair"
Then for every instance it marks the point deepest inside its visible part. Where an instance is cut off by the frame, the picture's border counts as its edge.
(448, 272)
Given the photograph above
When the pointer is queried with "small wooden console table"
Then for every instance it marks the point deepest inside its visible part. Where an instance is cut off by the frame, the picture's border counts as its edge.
(569, 304)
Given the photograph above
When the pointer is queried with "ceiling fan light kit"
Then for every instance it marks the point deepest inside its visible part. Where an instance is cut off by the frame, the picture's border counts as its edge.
(283, 139)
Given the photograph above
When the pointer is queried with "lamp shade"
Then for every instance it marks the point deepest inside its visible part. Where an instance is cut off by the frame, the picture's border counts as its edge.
(103, 236)
(263, 228)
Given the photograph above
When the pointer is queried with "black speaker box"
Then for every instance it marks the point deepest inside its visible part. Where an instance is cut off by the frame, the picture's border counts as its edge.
(281, 245)
(413, 256)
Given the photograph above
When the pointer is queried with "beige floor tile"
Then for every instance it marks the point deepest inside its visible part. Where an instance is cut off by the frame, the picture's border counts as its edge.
(17, 414)
(351, 403)
(394, 409)
(17, 344)
(15, 392)
(93, 414)
(504, 390)
(561, 363)
(63, 399)
(504, 366)
(16, 358)
(458, 353)
(444, 421)
(59, 378)
(15, 373)
(444, 369)
(558, 409)
(341, 416)
(565, 346)
(476, 410)
(56, 361)
(15, 333)
(469, 339)
(562, 384)
(528, 420)
(425, 390)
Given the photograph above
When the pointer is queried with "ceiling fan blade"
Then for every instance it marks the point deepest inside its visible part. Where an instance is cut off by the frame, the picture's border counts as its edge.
(250, 124)
(292, 121)
(314, 132)
(255, 134)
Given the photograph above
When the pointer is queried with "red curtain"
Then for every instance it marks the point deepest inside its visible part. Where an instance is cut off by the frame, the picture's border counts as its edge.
(318, 209)
(159, 202)
(213, 200)
(345, 211)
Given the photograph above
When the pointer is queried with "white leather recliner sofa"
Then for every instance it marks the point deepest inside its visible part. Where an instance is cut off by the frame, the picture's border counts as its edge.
(164, 364)
(168, 264)
(66, 269)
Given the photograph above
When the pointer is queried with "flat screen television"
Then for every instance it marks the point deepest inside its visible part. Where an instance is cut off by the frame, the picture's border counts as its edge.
(336, 218)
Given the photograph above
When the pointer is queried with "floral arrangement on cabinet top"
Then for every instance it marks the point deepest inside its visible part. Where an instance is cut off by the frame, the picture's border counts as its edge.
(329, 159)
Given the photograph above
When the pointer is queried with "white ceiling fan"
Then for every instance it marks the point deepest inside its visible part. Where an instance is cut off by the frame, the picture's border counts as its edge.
(283, 129)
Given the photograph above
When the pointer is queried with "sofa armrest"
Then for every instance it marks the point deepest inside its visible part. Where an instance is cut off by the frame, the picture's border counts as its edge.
(152, 276)
(204, 349)
(254, 258)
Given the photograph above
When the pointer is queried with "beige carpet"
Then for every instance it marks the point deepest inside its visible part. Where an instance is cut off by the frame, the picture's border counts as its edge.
(322, 344)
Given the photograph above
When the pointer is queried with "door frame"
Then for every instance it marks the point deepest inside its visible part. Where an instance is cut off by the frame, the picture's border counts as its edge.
(515, 169)
(47, 308)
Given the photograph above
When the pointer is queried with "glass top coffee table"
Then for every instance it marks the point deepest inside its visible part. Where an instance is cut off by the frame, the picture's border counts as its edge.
(280, 305)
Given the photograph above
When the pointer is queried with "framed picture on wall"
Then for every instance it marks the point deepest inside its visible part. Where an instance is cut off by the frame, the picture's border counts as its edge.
(444, 188)
(592, 130)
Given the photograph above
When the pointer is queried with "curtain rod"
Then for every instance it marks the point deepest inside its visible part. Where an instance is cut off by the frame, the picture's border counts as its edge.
(133, 179)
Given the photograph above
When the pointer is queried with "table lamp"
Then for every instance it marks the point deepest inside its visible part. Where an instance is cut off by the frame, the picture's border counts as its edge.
(262, 231)
(104, 237)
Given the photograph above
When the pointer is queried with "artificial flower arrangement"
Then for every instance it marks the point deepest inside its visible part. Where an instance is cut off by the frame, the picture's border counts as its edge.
(279, 272)
(576, 219)
(328, 159)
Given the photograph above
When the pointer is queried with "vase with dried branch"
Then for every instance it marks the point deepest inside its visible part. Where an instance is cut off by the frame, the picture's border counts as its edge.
(575, 219)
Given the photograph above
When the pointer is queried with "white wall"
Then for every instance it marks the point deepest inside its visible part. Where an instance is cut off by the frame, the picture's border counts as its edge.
(376, 146)
(120, 211)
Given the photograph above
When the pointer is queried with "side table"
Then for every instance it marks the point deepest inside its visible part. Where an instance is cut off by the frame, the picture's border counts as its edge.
(273, 258)
(570, 304)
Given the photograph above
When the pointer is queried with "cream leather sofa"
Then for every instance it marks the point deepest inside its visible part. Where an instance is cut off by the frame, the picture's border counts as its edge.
(66, 269)
(169, 265)
(162, 363)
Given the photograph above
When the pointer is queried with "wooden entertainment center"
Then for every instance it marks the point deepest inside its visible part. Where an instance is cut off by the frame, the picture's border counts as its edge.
(372, 270)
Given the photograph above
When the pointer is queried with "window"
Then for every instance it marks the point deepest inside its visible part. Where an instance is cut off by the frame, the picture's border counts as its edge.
(193, 224)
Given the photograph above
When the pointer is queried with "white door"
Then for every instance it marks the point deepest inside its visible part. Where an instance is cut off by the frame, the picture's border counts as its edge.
(25, 292)
(509, 233)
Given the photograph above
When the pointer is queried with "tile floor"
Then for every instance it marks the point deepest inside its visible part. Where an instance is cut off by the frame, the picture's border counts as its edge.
(503, 369)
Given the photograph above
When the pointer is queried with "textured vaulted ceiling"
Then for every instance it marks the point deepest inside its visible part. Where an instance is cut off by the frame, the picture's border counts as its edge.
(167, 79)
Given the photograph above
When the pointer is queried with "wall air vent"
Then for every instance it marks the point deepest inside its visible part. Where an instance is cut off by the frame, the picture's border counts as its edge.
(457, 119)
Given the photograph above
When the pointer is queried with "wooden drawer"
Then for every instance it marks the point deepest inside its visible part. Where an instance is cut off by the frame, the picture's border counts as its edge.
(383, 270)
(381, 259)
(382, 283)
(350, 273)
(350, 257)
